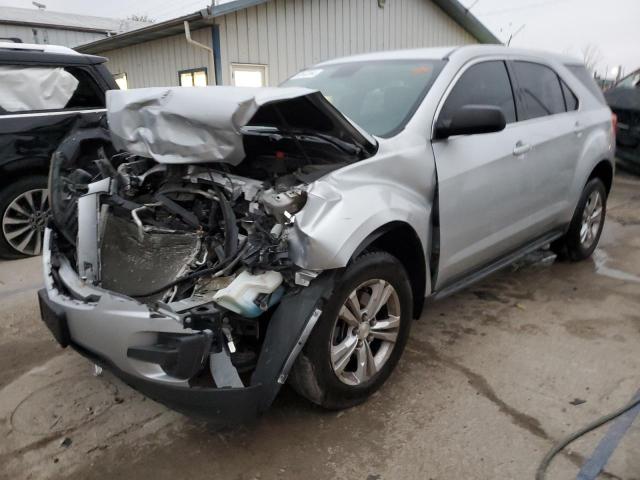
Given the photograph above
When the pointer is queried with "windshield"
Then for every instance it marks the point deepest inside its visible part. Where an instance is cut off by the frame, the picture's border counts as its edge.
(632, 81)
(379, 96)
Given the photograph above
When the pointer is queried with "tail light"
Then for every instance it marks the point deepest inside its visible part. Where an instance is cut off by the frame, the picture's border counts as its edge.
(614, 124)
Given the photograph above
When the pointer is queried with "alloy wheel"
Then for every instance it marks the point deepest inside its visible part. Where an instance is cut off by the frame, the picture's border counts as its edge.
(24, 221)
(591, 219)
(365, 332)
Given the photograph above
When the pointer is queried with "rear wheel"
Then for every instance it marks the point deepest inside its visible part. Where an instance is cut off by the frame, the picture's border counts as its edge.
(586, 226)
(24, 206)
(360, 335)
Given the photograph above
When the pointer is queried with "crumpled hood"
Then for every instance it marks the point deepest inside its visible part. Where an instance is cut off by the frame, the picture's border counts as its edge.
(201, 124)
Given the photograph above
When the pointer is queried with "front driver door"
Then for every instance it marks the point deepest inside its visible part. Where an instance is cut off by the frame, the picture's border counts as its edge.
(481, 181)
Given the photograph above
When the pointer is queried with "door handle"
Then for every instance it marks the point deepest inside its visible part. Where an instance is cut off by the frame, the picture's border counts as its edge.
(521, 148)
(577, 129)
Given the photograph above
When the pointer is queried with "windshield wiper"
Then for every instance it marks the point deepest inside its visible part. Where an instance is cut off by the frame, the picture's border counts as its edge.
(351, 148)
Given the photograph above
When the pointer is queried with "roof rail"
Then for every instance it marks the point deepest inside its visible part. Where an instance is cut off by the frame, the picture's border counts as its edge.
(40, 47)
(12, 39)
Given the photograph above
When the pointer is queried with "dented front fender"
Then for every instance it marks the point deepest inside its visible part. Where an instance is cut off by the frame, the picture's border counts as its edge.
(346, 206)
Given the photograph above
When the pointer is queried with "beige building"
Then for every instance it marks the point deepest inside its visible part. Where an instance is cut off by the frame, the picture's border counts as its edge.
(263, 42)
(32, 25)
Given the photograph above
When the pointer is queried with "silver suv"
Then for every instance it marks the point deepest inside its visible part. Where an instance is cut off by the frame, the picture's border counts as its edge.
(236, 238)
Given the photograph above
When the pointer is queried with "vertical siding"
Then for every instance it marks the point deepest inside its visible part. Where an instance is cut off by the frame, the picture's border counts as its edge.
(156, 63)
(50, 36)
(289, 35)
(285, 35)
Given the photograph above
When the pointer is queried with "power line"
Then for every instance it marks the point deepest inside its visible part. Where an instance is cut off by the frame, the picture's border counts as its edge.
(471, 6)
(521, 7)
(168, 12)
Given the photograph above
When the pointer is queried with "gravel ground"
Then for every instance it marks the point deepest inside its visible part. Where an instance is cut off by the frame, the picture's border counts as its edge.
(491, 378)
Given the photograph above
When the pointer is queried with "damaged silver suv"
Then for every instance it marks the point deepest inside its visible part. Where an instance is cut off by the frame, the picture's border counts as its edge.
(207, 245)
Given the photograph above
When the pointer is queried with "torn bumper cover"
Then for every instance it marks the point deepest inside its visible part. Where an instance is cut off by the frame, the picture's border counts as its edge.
(152, 351)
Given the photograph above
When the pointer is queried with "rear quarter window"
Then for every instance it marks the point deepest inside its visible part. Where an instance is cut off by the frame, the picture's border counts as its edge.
(581, 73)
(570, 98)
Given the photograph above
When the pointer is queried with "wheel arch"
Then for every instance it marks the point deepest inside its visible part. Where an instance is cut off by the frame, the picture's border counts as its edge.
(17, 169)
(604, 171)
(399, 239)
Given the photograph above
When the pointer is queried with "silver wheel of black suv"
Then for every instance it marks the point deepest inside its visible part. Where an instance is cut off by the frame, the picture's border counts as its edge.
(24, 206)
(360, 336)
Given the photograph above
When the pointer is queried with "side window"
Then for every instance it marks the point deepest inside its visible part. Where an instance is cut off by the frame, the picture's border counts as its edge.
(29, 89)
(570, 100)
(485, 83)
(539, 88)
(87, 93)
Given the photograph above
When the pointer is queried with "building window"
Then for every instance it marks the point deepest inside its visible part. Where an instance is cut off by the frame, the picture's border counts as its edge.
(121, 80)
(248, 75)
(196, 77)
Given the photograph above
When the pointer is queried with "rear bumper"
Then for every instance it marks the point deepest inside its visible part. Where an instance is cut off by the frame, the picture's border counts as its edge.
(628, 158)
(628, 145)
(103, 326)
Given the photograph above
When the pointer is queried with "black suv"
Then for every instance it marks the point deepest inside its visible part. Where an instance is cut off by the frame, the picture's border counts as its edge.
(45, 91)
(624, 100)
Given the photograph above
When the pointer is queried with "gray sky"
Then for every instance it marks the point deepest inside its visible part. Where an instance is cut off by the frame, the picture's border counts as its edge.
(568, 26)
(565, 26)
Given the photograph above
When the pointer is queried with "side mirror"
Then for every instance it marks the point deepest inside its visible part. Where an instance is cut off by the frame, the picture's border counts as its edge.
(471, 119)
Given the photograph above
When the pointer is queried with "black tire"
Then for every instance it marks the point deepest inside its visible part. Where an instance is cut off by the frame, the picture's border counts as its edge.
(570, 246)
(7, 196)
(313, 375)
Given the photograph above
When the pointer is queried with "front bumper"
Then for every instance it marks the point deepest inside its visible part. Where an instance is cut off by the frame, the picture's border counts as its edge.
(104, 326)
(229, 404)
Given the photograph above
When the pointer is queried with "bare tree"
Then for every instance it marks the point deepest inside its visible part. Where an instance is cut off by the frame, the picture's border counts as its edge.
(141, 18)
(591, 56)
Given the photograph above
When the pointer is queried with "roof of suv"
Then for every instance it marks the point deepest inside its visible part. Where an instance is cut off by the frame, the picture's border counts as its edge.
(442, 53)
(30, 53)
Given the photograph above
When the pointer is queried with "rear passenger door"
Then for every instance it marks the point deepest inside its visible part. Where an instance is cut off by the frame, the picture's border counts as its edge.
(483, 205)
(553, 134)
(35, 117)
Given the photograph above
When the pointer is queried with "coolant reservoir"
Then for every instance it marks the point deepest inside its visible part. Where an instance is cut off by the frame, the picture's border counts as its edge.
(240, 296)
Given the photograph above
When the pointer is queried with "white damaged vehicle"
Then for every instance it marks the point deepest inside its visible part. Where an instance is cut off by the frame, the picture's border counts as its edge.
(211, 243)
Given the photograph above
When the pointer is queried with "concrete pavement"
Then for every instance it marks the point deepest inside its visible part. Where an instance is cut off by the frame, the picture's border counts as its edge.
(491, 378)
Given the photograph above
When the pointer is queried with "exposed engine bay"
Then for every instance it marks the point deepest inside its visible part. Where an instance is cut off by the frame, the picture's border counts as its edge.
(204, 244)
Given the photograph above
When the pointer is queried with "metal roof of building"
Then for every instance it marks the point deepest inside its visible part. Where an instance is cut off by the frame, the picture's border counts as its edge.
(66, 21)
(205, 17)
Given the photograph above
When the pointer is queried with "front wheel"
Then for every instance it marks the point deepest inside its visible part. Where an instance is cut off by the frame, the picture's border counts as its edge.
(586, 225)
(360, 335)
